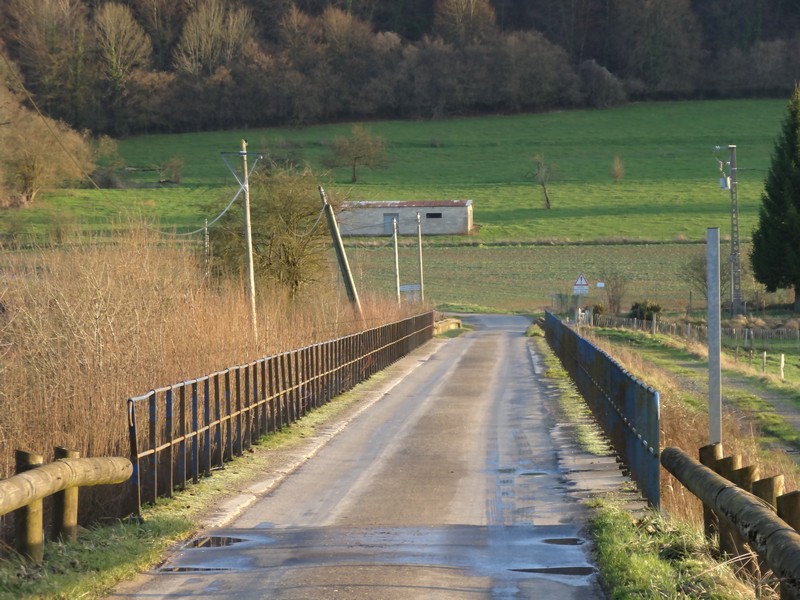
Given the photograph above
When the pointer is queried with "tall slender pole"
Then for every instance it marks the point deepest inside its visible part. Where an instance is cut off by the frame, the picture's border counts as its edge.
(714, 339)
(341, 256)
(736, 266)
(396, 262)
(248, 238)
(419, 245)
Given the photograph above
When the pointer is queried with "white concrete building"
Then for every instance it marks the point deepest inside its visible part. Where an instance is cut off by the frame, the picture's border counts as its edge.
(438, 217)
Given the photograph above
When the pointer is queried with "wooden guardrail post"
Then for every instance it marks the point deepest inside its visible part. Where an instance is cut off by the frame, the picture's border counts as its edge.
(767, 534)
(65, 504)
(789, 510)
(769, 489)
(28, 519)
(709, 455)
(730, 542)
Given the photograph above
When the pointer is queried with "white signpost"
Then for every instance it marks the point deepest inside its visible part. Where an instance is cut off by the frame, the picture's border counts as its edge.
(581, 287)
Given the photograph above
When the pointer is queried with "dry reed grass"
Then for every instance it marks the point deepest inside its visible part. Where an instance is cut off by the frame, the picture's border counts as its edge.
(83, 328)
(686, 427)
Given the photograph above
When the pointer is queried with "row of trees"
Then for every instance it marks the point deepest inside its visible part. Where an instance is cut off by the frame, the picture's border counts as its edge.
(169, 65)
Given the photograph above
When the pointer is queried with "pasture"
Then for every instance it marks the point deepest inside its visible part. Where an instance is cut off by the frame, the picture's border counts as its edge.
(648, 222)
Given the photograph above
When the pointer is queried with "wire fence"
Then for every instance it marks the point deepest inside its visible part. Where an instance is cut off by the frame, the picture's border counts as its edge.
(179, 433)
(758, 338)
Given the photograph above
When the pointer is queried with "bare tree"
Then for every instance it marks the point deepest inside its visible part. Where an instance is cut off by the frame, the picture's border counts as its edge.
(694, 272)
(616, 283)
(51, 40)
(464, 21)
(542, 174)
(31, 158)
(360, 149)
(123, 46)
(213, 36)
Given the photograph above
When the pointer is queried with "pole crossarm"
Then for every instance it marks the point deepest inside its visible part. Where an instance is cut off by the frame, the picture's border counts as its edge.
(241, 180)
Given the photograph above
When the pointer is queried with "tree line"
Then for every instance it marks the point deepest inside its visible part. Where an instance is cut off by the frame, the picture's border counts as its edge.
(130, 66)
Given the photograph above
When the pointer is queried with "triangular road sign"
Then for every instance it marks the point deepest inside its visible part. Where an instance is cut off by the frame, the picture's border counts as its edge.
(581, 280)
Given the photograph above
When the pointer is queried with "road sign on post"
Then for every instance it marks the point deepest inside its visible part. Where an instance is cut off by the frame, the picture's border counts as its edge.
(581, 287)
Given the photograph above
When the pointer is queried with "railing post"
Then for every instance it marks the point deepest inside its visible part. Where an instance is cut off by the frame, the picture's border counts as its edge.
(65, 504)
(769, 489)
(28, 520)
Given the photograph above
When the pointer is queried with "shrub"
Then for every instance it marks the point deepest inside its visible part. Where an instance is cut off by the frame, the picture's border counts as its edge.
(645, 310)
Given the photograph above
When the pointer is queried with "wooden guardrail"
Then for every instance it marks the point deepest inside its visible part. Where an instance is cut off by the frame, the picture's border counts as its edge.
(35, 481)
(742, 517)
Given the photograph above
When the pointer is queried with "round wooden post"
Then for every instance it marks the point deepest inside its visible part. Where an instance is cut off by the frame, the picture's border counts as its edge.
(769, 489)
(789, 509)
(745, 477)
(727, 538)
(65, 504)
(709, 455)
(28, 519)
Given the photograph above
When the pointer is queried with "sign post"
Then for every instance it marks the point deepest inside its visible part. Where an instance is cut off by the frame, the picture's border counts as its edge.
(581, 287)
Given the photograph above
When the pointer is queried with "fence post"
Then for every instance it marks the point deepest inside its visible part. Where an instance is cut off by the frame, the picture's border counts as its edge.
(783, 363)
(764, 361)
(709, 455)
(769, 489)
(789, 510)
(727, 538)
(65, 504)
(28, 520)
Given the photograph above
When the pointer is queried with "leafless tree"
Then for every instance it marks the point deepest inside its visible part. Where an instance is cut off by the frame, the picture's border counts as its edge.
(542, 174)
(123, 46)
(464, 21)
(213, 36)
(362, 148)
(616, 283)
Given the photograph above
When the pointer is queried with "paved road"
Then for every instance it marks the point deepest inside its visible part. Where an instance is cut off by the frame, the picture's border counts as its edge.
(455, 484)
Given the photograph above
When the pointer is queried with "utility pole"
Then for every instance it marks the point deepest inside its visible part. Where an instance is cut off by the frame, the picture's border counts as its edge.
(396, 262)
(714, 339)
(737, 308)
(419, 245)
(248, 237)
(341, 256)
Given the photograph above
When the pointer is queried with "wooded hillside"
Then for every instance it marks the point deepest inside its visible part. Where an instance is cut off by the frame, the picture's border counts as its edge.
(175, 65)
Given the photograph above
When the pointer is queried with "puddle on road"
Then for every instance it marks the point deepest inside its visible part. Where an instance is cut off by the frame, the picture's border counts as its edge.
(578, 571)
(564, 541)
(194, 570)
(214, 541)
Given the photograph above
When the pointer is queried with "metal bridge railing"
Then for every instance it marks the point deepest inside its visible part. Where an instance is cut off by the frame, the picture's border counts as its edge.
(626, 409)
(180, 432)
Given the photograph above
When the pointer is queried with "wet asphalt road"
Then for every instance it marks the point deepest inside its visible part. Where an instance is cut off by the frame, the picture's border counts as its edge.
(455, 484)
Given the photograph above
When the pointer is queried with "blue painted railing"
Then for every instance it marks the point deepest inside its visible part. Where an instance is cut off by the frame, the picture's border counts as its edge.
(180, 432)
(627, 409)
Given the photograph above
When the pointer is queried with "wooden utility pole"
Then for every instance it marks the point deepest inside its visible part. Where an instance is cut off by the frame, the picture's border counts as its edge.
(341, 256)
(396, 262)
(714, 339)
(248, 238)
(419, 245)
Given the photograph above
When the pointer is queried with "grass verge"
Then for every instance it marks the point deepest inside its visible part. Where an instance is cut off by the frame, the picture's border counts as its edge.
(657, 557)
(647, 556)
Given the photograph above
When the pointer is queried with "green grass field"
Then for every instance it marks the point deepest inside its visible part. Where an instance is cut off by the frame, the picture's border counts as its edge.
(669, 195)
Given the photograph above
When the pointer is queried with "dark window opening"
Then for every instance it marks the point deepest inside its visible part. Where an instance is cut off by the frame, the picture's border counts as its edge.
(433, 215)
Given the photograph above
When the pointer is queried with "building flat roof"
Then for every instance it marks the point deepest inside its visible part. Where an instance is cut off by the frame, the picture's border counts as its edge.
(406, 203)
